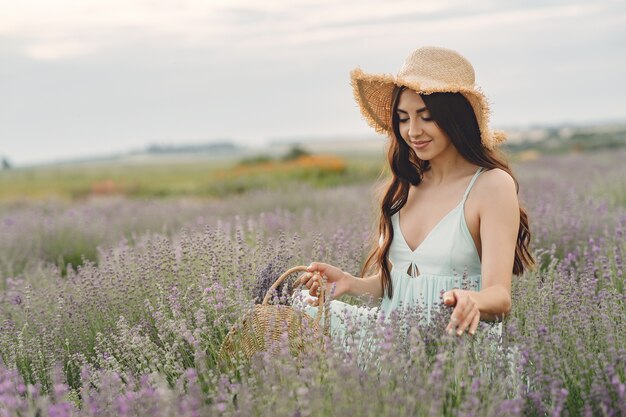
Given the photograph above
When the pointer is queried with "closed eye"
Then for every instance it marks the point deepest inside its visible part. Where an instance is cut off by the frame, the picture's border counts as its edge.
(426, 119)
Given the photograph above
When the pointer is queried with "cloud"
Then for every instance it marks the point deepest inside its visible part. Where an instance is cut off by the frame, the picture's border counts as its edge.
(53, 50)
(64, 29)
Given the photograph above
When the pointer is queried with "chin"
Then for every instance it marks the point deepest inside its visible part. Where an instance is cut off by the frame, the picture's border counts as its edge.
(424, 155)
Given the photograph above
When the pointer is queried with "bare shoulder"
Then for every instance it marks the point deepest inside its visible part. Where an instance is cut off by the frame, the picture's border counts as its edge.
(495, 195)
(496, 182)
(496, 190)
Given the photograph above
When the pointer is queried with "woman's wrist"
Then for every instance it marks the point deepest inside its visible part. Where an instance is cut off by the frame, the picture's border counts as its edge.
(494, 303)
(367, 286)
(351, 280)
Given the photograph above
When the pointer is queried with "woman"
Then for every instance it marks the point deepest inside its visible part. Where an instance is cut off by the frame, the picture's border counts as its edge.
(432, 228)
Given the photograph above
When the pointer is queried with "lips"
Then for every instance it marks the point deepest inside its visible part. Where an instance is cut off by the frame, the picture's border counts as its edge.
(420, 144)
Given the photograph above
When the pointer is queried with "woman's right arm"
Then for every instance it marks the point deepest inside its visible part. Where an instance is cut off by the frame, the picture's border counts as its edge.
(343, 281)
(366, 286)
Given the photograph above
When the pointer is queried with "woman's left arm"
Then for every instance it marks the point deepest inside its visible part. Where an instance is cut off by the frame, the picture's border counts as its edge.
(498, 209)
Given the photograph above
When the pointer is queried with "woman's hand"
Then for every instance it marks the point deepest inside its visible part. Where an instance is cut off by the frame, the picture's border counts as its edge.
(465, 315)
(335, 277)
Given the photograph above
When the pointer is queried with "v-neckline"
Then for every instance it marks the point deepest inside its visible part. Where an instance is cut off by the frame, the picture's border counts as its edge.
(440, 220)
(429, 233)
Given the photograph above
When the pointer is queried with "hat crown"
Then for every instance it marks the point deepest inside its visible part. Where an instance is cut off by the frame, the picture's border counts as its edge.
(435, 66)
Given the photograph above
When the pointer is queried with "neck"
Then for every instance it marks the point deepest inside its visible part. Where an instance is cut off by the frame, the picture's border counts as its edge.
(447, 168)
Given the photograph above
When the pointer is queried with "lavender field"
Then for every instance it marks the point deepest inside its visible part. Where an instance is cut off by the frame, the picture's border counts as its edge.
(133, 325)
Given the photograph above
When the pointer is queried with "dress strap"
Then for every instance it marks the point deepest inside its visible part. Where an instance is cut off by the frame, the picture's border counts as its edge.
(471, 184)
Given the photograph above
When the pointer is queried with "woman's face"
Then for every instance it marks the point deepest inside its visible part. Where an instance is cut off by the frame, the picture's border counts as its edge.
(418, 130)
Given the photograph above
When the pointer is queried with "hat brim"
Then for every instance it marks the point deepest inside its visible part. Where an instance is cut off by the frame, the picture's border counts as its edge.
(373, 94)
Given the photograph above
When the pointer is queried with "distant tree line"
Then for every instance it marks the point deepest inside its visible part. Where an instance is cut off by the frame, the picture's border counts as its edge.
(294, 152)
(579, 140)
(5, 163)
(218, 147)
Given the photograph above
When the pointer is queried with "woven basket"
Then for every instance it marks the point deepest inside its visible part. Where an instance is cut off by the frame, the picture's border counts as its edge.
(264, 328)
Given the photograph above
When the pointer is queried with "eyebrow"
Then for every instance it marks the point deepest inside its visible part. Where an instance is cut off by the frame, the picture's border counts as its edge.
(416, 111)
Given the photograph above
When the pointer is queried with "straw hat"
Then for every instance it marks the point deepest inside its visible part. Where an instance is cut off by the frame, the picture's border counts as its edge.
(427, 70)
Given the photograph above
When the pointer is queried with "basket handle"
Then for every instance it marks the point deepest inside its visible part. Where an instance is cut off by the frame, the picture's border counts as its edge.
(290, 271)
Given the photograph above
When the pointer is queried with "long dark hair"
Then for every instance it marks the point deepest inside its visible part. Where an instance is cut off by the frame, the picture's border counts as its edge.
(455, 116)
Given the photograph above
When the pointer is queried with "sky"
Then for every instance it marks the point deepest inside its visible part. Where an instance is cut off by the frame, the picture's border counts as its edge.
(95, 77)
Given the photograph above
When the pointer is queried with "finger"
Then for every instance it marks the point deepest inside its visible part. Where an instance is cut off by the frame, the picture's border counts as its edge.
(453, 324)
(312, 279)
(463, 314)
(313, 302)
(303, 278)
(449, 298)
(451, 328)
(314, 289)
(465, 324)
(316, 266)
(474, 325)
(458, 314)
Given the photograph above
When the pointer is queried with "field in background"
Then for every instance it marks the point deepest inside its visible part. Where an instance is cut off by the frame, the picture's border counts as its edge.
(221, 169)
(183, 176)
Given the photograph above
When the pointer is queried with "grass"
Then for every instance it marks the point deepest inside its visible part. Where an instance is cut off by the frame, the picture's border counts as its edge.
(210, 178)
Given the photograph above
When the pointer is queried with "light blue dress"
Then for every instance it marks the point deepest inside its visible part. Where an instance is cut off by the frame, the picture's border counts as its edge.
(420, 276)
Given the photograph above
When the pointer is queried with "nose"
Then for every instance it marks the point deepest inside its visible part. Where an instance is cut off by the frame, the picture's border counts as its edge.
(415, 128)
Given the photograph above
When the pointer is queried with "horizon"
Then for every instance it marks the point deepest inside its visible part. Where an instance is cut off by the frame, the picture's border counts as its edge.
(241, 146)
